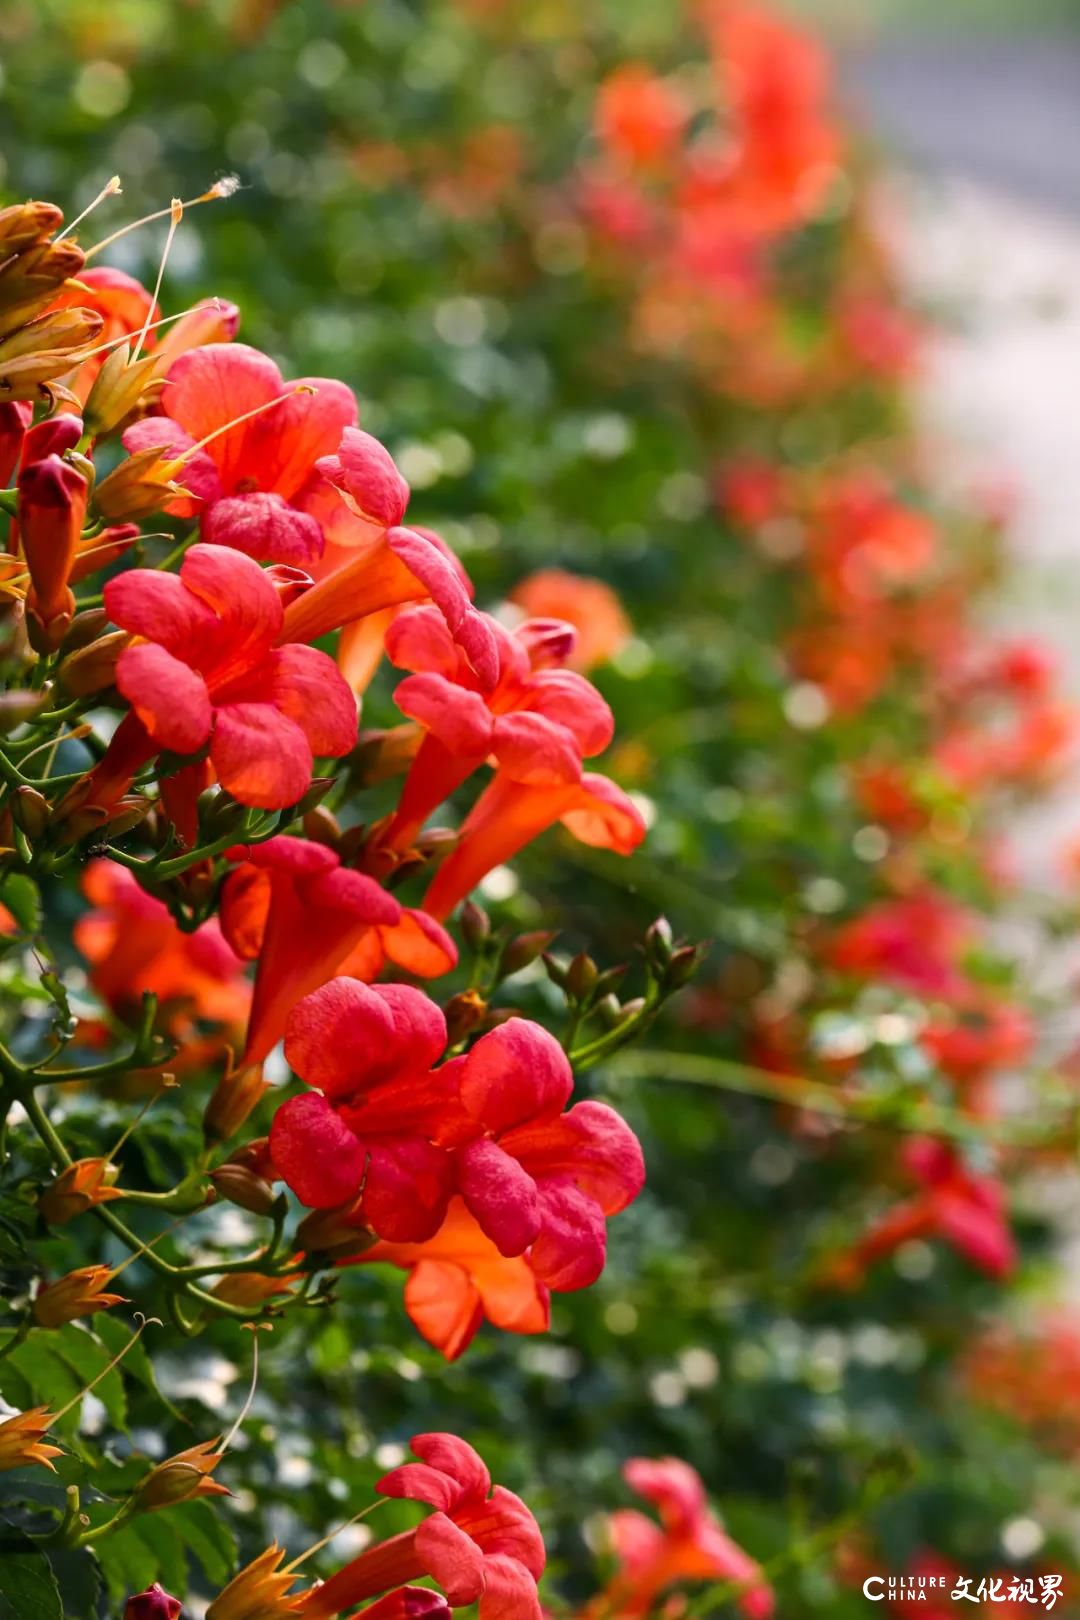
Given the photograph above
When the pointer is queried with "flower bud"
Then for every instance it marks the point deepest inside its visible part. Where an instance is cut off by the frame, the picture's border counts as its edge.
(52, 436)
(43, 349)
(85, 628)
(243, 1187)
(31, 278)
(153, 1604)
(93, 668)
(182, 1477)
(329, 1231)
(78, 1187)
(464, 1013)
(24, 223)
(581, 976)
(52, 507)
(658, 941)
(683, 965)
(14, 419)
(321, 826)
(475, 925)
(18, 707)
(524, 949)
(30, 810)
(77, 1294)
(234, 1098)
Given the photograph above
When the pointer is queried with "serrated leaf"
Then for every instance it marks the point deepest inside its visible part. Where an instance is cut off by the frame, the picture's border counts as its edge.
(20, 895)
(27, 1582)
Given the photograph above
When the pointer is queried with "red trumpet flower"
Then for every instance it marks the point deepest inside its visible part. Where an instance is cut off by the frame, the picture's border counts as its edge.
(688, 1544)
(256, 477)
(205, 671)
(52, 509)
(964, 1207)
(481, 1544)
(133, 945)
(533, 1176)
(292, 905)
(536, 722)
(509, 814)
(458, 1279)
(371, 1123)
(489, 1125)
(372, 563)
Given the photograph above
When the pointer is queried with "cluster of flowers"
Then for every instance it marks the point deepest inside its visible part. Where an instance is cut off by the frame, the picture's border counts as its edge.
(482, 1545)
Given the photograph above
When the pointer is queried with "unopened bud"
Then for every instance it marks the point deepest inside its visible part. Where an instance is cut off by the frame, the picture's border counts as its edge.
(524, 949)
(243, 1187)
(658, 941)
(321, 826)
(91, 668)
(30, 810)
(16, 708)
(464, 1013)
(475, 925)
(581, 976)
(153, 1604)
(334, 1231)
(27, 222)
(681, 968)
(85, 627)
(234, 1098)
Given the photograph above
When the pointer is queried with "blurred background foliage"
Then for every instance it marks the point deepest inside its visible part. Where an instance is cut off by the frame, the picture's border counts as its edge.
(406, 223)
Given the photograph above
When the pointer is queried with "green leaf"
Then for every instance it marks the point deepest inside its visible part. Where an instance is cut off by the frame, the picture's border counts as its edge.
(51, 1380)
(208, 1538)
(145, 1551)
(84, 1353)
(115, 1334)
(27, 1583)
(20, 894)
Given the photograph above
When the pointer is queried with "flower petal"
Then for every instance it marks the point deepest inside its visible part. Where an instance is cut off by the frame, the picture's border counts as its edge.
(305, 684)
(315, 1153)
(364, 473)
(452, 1557)
(515, 1073)
(443, 1305)
(590, 1145)
(406, 1189)
(261, 757)
(533, 749)
(509, 1591)
(500, 1194)
(210, 386)
(170, 699)
(156, 605)
(460, 719)
(264, 526)
(420, 945)
(333, 1037)
(571, 1246)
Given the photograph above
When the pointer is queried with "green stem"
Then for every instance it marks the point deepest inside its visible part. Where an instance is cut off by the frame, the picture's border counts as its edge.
(817, 1096)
